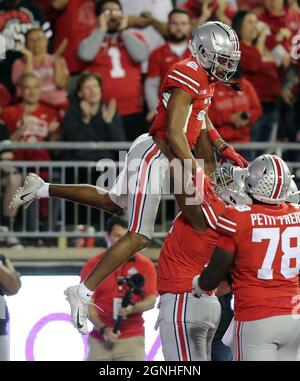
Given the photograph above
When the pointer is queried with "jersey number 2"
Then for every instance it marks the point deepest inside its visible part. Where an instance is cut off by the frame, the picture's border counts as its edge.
(289, 253)
(117, 71)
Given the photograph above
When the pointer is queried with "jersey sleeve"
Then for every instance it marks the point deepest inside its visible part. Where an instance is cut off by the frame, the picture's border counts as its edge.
(227, 222)
(184, 77)
(211, 210)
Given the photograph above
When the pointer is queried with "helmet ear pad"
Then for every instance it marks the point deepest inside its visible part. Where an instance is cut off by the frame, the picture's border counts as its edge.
(200, 55)
(206, 64)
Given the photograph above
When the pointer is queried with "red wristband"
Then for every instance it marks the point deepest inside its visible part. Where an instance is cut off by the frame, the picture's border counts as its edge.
(213, 135)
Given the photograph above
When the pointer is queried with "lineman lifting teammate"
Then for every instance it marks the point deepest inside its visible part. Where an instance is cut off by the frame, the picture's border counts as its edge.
(260, 245)
(185, 96)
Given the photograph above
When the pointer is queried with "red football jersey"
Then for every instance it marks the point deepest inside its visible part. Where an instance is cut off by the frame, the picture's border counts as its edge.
(121, 76)
(162, 58)
(108, 290)
(185, 251)
(266, 243)
(192, 78)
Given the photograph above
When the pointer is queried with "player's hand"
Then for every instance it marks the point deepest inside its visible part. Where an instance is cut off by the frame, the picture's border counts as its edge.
(109, 335)
(196, 290)
(223, 288)
(203, 185)
(230, 154)
(208, 186)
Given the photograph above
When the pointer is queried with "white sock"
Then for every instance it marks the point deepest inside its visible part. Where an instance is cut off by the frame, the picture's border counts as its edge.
(43, 191)
(84, 293)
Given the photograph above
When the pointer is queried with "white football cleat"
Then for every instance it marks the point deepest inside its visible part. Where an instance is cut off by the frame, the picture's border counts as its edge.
(26, 194)
(79, 309)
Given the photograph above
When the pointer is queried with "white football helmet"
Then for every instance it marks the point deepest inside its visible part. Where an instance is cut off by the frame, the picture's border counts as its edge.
(268, 179)
(230, 184)
(216, 48)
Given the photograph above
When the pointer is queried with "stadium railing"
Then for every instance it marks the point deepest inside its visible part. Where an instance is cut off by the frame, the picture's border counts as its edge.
(62, 219)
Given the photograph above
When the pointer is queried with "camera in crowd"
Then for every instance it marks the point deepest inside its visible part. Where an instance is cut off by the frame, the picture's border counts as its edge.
(134, 283)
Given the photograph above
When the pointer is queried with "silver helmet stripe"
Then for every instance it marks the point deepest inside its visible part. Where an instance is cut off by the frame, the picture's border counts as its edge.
(231, 34)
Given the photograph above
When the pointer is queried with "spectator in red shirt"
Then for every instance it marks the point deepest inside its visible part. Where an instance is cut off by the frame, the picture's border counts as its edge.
(260, 69)
(233, 113)
(32, 121)
(127, 344)
(174, 50)
(74, 22)
(205, 10)
(51, 68)
(276, 15)
(16, 18)
(116, 54)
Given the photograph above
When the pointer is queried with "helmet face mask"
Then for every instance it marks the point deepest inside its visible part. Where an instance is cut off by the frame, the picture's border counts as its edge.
(224, 67)
(230, 184)
(216, 48)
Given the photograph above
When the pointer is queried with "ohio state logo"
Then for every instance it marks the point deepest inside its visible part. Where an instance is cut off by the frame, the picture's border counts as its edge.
(21, 16)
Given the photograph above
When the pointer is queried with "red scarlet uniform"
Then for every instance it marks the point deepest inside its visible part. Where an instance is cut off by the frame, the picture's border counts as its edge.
(185, 251)
(192, 78)
(187, 324)
(266, 243)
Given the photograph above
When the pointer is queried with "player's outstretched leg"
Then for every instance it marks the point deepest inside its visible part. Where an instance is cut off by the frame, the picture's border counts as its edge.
(34, 187)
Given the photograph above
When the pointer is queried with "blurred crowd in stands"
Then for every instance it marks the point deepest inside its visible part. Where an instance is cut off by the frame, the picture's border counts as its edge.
(90, 70)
